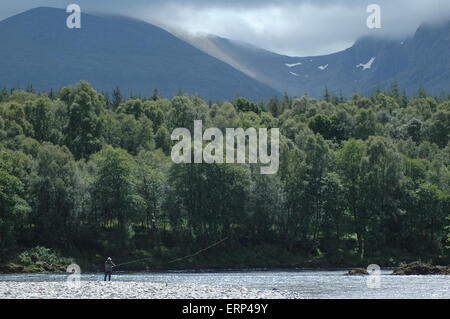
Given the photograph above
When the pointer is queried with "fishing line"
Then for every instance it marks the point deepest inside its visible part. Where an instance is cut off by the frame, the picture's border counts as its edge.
(177, 259)
(198, 252)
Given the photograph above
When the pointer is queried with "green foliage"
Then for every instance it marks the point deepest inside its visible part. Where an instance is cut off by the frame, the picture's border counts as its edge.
(40, 259)
(163, 140)
(321, 124)
(13, 207)
(84, 129)
(365, 124)
(437, 128)
(114, 198)
(42, 117)
(448, 233)
(364, 179)
(245, 105)
(54, 191)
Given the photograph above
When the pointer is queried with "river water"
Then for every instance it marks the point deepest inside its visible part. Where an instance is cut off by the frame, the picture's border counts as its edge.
(307, 284)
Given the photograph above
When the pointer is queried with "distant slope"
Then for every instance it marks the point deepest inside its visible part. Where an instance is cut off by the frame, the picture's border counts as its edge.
(422, 60)
(107, 51)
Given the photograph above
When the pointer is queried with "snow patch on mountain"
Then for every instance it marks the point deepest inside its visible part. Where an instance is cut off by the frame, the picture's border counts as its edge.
(293, 64)
(293, 73)
(323, 67)
(368, 65)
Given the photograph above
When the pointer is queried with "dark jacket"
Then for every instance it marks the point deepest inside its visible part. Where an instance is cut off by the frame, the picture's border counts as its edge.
(109, 265)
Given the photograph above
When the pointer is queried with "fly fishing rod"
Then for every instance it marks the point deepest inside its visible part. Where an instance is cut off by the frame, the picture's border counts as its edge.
(177, 259)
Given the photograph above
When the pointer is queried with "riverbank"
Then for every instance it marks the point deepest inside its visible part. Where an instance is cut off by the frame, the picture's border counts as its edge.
(132, 290)
(44, 260)
(420, 268)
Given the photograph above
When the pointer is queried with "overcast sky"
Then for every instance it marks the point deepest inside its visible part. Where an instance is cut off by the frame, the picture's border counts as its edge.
(292, 27)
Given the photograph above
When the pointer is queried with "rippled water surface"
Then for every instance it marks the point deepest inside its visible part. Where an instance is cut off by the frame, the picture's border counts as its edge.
(309, 284)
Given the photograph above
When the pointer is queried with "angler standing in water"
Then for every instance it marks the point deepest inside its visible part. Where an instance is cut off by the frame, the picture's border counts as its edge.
(108, 268)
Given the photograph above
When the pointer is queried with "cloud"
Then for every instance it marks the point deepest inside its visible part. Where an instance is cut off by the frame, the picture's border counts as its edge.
(293, 27)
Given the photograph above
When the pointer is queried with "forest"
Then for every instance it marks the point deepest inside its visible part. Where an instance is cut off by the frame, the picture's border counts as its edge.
(361, 179)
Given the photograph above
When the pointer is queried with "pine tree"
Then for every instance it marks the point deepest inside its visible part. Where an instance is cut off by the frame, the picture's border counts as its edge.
(30, 88)
(326, 94)
(403, 99)
(421, 93)
(285, 102)
(107, 99)
(155, 94)
(51, 94)
(394, 91)
(3, 94)
(341, 97)
(116, 98)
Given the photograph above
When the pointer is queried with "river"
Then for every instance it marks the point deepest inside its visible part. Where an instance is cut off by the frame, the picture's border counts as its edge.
(305, 283)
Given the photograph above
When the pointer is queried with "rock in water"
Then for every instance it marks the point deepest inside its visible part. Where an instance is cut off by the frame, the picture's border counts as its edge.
(421, 268)
(357, 272)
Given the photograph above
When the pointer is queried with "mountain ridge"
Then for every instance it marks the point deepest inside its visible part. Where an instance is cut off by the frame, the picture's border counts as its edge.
(111, 51)
(418, 61)
(116, 50)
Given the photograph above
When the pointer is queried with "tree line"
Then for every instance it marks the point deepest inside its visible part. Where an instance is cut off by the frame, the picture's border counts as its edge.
(363, 179)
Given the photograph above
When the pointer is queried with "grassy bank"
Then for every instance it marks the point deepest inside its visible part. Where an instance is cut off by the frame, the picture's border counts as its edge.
(36, 260)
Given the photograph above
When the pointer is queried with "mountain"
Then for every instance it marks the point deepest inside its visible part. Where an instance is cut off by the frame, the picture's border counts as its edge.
(420, 60)
(110, 51)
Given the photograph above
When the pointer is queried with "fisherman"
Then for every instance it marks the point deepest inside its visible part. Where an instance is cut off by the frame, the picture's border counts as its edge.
(108, 268)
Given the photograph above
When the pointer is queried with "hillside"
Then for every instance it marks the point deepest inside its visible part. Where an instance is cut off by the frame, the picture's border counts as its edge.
(111, 51)
(421, 60)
